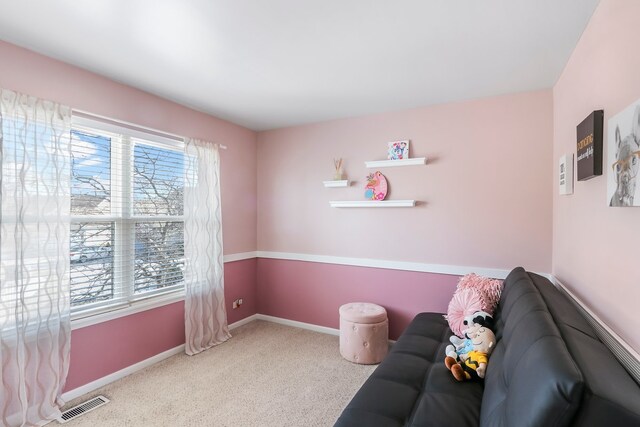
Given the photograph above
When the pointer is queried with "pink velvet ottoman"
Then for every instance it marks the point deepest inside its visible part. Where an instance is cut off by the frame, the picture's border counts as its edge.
(364, 332)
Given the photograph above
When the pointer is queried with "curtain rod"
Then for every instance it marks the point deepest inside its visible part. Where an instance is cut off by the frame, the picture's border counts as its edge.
(132, 126)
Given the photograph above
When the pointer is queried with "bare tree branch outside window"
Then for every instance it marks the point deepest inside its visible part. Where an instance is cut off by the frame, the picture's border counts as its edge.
(158, 245)
(158, 190)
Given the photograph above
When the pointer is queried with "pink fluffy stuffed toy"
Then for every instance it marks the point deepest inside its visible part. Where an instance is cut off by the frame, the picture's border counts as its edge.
(488, 289)
(464, 303)
(474, 293)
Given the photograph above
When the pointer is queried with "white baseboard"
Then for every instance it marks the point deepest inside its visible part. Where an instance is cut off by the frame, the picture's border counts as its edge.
(303, 325)
(101, 382)
(296, 324)
(244, 321)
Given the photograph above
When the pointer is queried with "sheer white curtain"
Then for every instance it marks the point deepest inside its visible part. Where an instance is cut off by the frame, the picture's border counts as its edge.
(34, 258)
(205, 312)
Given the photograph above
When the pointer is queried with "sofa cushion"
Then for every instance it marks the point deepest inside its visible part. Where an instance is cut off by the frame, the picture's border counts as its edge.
(412, 387)
(611, 395)
(531, 377)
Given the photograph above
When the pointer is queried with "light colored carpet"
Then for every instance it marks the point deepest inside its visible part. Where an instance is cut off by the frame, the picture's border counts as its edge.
(266, 375)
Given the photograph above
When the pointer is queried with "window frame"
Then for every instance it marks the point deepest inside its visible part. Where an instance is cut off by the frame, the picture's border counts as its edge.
(123, 217)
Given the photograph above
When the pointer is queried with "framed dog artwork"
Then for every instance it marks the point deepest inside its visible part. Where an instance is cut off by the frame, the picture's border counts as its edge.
(623, 157)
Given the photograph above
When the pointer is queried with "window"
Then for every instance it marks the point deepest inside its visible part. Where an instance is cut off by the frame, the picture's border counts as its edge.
(127, 229)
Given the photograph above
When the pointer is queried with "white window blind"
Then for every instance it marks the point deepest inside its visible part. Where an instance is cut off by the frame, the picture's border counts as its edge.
(127, 230)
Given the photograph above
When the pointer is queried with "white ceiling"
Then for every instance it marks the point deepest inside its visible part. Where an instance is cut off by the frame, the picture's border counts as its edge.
(269, 64)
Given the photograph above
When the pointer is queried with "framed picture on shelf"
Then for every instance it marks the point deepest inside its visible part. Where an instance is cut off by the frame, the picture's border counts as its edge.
(398, 150)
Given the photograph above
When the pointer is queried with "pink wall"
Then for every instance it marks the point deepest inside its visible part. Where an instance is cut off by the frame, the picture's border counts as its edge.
(484, 192)
(105, 348)
(595, 247)
(240, 282)
(102, 349)
(312, 292)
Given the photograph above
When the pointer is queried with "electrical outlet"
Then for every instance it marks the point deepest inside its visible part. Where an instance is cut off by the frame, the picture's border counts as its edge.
(240, 301)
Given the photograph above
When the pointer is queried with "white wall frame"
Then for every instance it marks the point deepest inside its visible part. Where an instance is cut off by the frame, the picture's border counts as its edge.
(565, 174)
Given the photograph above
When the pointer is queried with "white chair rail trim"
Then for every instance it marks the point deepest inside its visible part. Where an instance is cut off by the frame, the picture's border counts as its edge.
(455, 270)
(80, 321)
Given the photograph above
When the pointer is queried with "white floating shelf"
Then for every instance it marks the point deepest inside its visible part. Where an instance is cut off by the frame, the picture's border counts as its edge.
(390, 163)
(343, 183)
(373, 204)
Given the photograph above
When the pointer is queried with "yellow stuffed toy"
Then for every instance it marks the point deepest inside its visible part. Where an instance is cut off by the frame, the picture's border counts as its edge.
(474, 366)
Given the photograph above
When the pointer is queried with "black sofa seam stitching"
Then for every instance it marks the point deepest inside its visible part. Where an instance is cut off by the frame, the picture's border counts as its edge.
(398, 382)
(578, 330)
(411, 415)
(376, 413)
(541, 338)
(582, 383)
(502, 314)
(555, 322)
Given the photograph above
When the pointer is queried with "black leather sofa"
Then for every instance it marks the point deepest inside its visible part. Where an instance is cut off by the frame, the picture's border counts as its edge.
(548, 369)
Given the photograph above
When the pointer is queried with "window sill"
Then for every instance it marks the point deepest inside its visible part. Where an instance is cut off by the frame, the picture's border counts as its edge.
(82, 320)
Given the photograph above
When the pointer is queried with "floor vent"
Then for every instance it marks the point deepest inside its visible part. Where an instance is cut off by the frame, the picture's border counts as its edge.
(88, 406)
